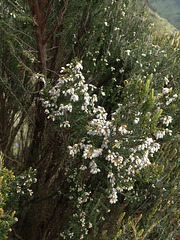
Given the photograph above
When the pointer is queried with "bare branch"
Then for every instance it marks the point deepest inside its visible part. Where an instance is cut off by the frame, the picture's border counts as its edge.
(34, 6)
(15, 6)
(58, 22)
(14, 95)
(43, 4)
(16, 235)
(48, 12)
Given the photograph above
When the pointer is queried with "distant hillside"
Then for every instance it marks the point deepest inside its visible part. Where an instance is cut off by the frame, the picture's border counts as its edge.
(169, 9)
(162, 24)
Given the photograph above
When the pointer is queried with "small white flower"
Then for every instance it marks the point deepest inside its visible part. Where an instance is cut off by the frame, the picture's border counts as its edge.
(30, 192)
(169, 131)
(136, 120)
(175, 96)
(123, 13)
(128, 52)
(122, 129)
(167, 120)
(113, 196)
(166, 90)
(83, 168)
(71, 235)
(121, 70)
(79, 66)
(110, 175)
(96, 153)
(159, 134)
(166, 80)
(74, 98)
(103, 93)
(90, 225)
(93, 166)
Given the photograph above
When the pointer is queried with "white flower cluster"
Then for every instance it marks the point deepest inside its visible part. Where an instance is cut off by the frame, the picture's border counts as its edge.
(115, 159)
(126, 168)
(113, 196)
(122, 129)
(170, 100)
(100, 126)
(93, 167)
(166, 91)
(136, 120)
(90, 152)
(80, 197)
(25, 182)
(160, 134)
(167, 120)
(149, 147)
(110, 146)
(72, 89)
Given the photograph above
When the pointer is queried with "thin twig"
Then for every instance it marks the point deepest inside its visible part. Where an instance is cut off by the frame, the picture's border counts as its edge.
(48, 12)
(16, 235)
(14, 75)
(6, 85)
(43, 4)
(58, 22)
(13, 160)
(15, 6)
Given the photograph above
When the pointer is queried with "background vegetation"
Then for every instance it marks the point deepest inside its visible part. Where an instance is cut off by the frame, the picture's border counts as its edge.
(168, 9)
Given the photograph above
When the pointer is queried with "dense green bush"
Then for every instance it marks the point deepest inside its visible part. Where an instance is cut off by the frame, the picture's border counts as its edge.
(6, 217)
(106, 148)
(119, 130)
(12, 188)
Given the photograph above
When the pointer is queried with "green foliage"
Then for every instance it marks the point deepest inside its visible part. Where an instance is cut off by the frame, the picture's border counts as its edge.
(122, 127)
(133, 143)
(161, 219)
(6, 217)
(12, 188)
(113, 110)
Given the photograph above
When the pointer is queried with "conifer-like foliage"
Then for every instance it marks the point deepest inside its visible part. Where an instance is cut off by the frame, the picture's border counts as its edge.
(12, 188)
(89, 96)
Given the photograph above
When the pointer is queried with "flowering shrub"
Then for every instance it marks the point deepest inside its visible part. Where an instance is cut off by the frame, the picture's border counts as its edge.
(115, 147)
(161, 219)
(21, 188)
(101, 149)
(6, 217)
(11, 189)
